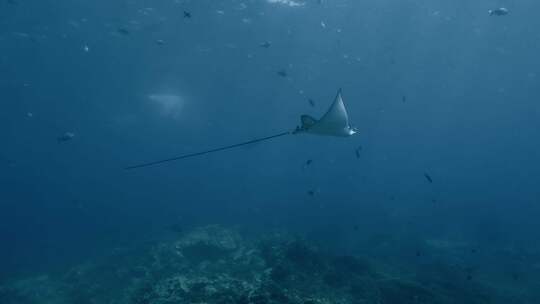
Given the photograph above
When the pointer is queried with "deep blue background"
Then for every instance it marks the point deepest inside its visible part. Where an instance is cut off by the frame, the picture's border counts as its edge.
(471, 119)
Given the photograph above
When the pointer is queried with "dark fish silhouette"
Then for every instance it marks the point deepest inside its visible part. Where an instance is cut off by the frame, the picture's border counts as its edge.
(122, 30)
(403, 98)
(501, 11)
(311, 193)
(176, 228)
(187, 14)
(282, 73)
(428, 177)
(311, 102)
(357, 151)
(65, 137)
(265, 44)
(308, 162)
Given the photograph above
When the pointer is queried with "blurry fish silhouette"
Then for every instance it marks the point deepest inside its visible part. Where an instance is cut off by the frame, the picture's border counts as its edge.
(428, 177)
(187, 14)
(334, 123)
(501, 11)
(65, 137)
(122, 30)
(176, 228)
(357, 151)
(403, 98)
(265, 44)
(282, 73)
(307, 163)
(311, 102)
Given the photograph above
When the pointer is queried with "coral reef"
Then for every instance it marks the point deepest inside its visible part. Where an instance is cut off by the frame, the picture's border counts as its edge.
(217, 265)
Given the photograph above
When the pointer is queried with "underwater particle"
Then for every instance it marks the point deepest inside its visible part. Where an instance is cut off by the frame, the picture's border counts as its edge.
(265, 44)
(86, 48)
(282, 73)
(356, 228)
(501, 11)
(417, 253)
(65, 137)
(123, 31)
(187, 14)
(323, 25)
(160, 42)
(469, 277)
(311, 102)
(29, 114)
(428, 178)
(12, 2)
(473, 250)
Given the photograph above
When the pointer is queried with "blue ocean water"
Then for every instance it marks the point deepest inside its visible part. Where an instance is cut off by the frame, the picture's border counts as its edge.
(436, 88)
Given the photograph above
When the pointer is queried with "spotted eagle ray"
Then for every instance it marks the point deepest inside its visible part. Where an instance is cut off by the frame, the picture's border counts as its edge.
(335, 122)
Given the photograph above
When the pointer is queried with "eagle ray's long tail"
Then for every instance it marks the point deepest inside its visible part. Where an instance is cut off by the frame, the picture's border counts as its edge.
(208, 151)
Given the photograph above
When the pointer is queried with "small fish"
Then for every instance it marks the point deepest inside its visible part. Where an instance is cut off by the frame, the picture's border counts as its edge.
(311, 102)
(12, 2)
(418, 253)
(311, 193)
(501, 11)
(123, 31)
(356, 228)
(265, 44)
(29, 114)
(428, 177)
(86, 48)
(403, 98)
(187, 14)
(282, 73)
(65, 137)
(469, 277)
(307, 163)
(357, 151)
(160, 42)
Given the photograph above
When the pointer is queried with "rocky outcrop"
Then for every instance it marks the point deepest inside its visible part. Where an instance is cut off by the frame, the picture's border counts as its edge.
(216, 265)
